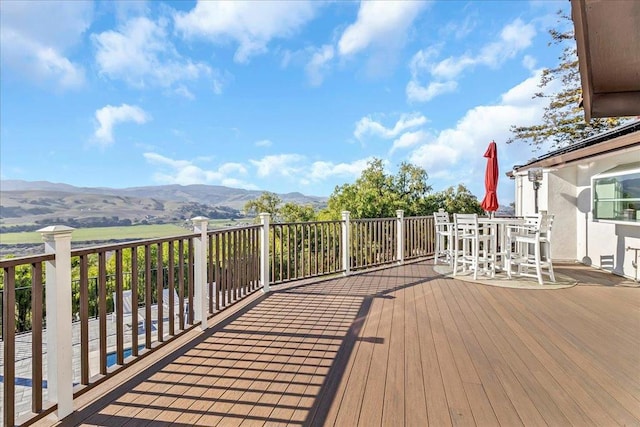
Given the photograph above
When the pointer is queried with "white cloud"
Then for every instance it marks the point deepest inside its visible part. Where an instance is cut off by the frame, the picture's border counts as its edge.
(514, 38)
(109, 116)
(252, 25)
(529, 62)
(185, 172)
(409, 139)
(229, 168)
(263, 143)
(318, 65)
(430, 155)
(456, 153)
(368, 126)
(418, 93)
(379, 23)
(322, 170)
(278, 164)
(34, 37)
(141, 54)
(183, 91)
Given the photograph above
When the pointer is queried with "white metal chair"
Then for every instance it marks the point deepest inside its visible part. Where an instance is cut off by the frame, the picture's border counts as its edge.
(534, 236)
(472, 247)
(444, 237)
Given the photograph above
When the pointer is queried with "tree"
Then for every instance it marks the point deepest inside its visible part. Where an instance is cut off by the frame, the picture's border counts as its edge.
(267, 202)
(293, 212)
(376, 194)
(453, 200)
(271, 203)
(563, 119)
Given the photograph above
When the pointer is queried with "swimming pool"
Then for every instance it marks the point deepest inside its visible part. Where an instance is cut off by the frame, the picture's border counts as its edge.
(112, 359)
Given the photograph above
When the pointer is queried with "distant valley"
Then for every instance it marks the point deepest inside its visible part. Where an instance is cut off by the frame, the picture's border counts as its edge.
(28, 205)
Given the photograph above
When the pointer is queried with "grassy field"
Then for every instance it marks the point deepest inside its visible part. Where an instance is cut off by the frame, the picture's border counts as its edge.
(105, 233)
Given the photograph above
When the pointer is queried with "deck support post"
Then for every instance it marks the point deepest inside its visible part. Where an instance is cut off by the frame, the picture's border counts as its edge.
(57, 240)
(264, 252)
(400, 244)
(346, 242)
(200, 271)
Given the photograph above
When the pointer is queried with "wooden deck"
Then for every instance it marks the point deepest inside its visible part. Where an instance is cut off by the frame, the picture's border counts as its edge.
(398, 346)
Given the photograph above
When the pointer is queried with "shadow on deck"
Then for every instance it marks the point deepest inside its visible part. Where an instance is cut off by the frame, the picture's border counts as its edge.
(396, 346)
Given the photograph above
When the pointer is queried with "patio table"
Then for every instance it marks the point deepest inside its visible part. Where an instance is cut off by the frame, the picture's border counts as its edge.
(497, 227)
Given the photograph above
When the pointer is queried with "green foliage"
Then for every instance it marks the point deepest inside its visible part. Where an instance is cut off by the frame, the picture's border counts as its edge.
(293, 212)
(267, 203)
(563, 120)
(271, 203)
(453, 200)
(377, 194)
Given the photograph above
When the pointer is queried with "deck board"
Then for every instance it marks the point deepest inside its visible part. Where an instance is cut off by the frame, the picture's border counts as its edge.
(396, 346)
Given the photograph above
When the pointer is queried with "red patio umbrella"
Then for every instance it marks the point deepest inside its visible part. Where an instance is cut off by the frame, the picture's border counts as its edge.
(490, 201)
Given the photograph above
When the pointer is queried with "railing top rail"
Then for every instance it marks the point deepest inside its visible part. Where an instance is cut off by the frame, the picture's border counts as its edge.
(30, 259)
(373, 219)
(330, 221)
(126, 245)
(418, 217)
(233, 228)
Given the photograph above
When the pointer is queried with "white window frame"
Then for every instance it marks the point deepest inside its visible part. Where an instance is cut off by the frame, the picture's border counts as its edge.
(620, 170)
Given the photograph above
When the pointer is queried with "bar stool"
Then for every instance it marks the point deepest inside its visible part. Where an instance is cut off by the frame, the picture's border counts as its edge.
(444, 237)
(471, 246)
(536, 235)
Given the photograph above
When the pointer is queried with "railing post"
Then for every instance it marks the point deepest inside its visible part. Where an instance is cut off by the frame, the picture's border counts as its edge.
(400, 239)
(200, 271)
(264, 252)
(346, 242)
(57, 240)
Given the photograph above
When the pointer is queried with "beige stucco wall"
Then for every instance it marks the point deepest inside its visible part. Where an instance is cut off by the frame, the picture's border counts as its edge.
(566, 193)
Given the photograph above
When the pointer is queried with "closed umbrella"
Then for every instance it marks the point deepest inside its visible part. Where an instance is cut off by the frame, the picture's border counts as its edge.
(490, 201)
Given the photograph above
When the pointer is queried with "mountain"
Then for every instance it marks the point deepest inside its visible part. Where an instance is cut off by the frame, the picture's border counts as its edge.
(216, 195)
(40, 202)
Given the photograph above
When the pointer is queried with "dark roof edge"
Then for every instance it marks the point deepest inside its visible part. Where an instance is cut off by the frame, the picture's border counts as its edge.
(625, 129)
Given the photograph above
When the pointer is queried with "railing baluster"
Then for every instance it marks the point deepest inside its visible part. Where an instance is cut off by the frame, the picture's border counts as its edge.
(217, 277)
(147, 295)
(171, 287)
(160, 292)
(84, 319)
(119, 312)
(36, 336)
(9, 341)
(181, 317)
(191, 280)
(225, 271)
(134, 301)
(102, 310)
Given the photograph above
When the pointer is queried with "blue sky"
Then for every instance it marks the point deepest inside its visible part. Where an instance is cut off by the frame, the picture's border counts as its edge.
(278, 96)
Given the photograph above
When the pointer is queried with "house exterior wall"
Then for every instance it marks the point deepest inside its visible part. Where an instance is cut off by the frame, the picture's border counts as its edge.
(562, 202)
(557, 196)
(566, 193)
(600, 243)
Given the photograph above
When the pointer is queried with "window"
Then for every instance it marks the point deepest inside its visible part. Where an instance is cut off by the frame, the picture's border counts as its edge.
(616, 194)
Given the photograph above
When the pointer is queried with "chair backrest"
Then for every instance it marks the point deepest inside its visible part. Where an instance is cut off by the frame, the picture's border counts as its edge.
(126, 302)
(441, 218)
(546, 221)
(465, 223)
(532, 219)
(165, 298)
